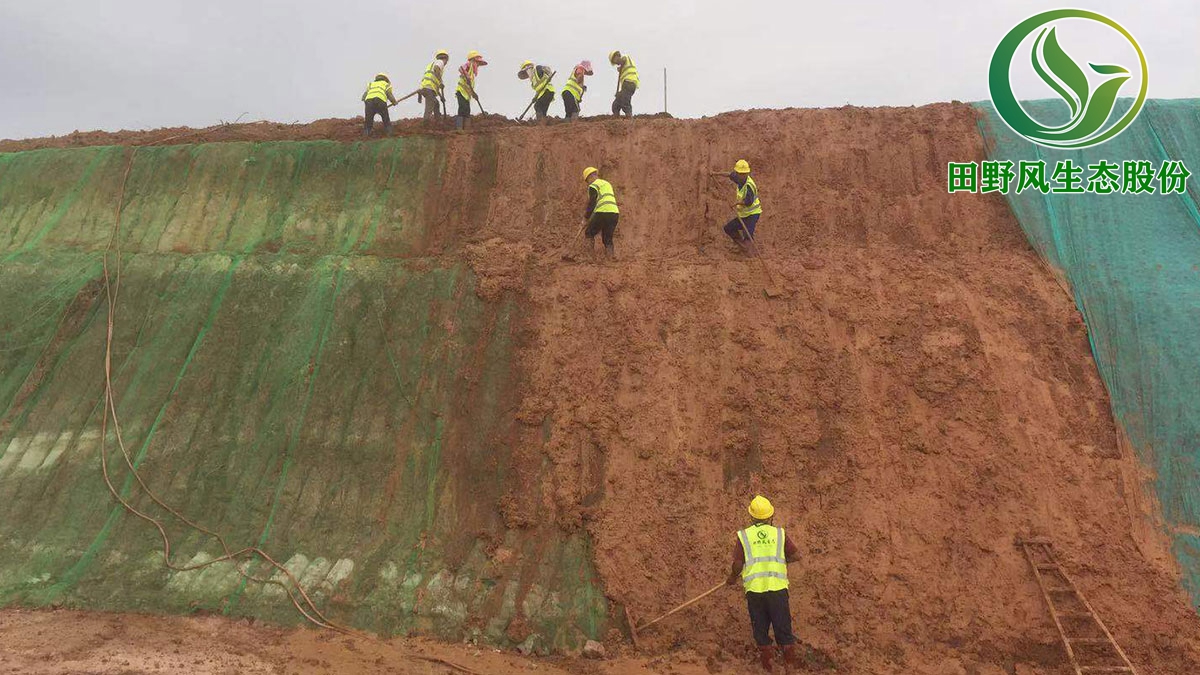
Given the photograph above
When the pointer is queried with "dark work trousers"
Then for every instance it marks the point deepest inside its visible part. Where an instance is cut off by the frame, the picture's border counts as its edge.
(570, 105)
(464, 105)
(542, 105)
(376, 106)
(734, 229)
(431, 104)
(624, 100)
(768, 610)
(603, 224)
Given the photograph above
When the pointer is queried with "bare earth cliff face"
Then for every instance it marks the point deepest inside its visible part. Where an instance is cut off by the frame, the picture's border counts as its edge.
(921, 394)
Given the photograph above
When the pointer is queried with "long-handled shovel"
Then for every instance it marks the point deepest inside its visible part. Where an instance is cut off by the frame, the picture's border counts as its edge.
(415, 92)
(772, 290)
(689, 603)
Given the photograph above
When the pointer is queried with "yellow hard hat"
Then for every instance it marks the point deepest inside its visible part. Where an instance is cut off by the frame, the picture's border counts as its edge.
(760, 508)
(742, 166)
(589, 171)
(526, 64)
(612, 56)
(382, 76)
(440, 53)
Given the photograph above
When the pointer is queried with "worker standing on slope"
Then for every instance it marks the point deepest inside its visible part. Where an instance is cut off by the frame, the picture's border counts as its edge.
(376, 99)
(543, 90)
(627, 83)
(432, 87)
(572, 93)
(748, 207)
(602, 213)
(466, 87)
(760, 557)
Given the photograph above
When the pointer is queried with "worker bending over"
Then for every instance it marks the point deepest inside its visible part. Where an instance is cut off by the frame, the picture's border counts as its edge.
(375, 100)
(465, 91)
(760, 557)
(627, 83)
(543, 90)
(602, 212)
(572, 93)
(748, 207)
(432, 87)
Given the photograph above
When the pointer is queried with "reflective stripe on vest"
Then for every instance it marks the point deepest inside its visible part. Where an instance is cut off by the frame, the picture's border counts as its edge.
(378, 89)
(432, 79)
(466, 82)
(744, 211)
(606, 199)
(540, 84)
(574, 87)
(629, 72)
(765, 568)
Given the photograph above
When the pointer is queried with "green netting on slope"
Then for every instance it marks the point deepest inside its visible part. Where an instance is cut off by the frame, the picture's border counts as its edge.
(349, 412)
(1133, 262)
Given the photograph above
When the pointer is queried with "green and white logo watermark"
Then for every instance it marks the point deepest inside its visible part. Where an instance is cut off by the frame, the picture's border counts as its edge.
(1090, 93)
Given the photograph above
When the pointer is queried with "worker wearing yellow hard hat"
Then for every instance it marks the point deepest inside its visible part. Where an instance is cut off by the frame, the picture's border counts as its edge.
(602, 213)
(747, 206)
(432, 88)
(465, 91)
(627, 83)
(543, 91)
(760, 557)
(375, 102)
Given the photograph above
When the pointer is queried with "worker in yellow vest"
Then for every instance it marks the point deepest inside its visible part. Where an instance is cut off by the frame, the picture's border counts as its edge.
(760, 557)
(432, 88)
(748, 207)
(375, 100)
(572, 93)
(465, 91)
(627, 83)
(602, 213)
(543, 90)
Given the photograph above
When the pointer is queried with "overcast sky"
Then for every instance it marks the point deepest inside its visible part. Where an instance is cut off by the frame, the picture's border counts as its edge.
(134, 64)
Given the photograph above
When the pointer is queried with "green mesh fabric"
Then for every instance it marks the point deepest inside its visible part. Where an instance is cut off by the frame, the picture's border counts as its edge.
(286, 374)
(1133, 263)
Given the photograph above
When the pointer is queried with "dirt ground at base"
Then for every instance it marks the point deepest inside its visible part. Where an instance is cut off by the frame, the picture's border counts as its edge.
(70, 642)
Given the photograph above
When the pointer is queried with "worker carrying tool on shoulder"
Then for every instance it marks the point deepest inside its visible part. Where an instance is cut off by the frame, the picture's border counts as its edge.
(465, 91)
(572, 93)
(602, 213)
(543, 90)
(376, 99)
(432, 88)
(760, 557)
(748, 206)
(627, 83)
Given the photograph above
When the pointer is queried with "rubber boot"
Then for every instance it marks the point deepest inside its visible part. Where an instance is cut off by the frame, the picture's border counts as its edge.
(766, 657)
(791, 659)
(459, 122)
(608, 251)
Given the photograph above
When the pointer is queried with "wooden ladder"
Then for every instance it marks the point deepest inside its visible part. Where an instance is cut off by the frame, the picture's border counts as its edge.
(1090, 646)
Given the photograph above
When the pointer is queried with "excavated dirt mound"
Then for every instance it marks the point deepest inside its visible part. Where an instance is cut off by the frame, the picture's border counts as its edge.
(922, 394)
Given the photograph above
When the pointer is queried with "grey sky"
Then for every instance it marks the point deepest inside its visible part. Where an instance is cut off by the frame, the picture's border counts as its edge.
(131, 64)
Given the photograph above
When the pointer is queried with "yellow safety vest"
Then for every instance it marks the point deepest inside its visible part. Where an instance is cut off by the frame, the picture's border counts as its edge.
(433, 78)
(744, 211)
(540, 85)
(765, 568)
(466, 83)
(378, 89)
(629, 72)
(574, 87)
(606, 199)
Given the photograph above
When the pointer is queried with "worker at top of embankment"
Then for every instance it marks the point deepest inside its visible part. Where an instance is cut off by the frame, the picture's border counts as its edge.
(760, 557)
(543, 89)
(602, 213)
(432, 88)
(572, 93)
(375, 100)
(627, 83)
(747, 205)
(465, 91)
